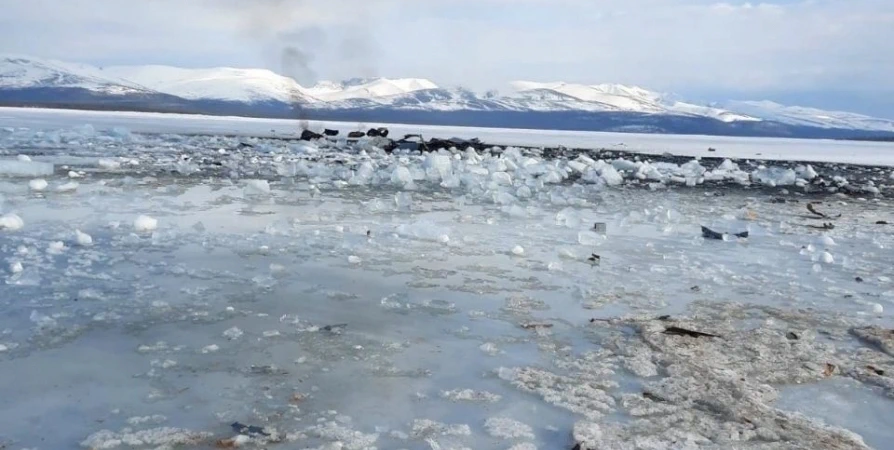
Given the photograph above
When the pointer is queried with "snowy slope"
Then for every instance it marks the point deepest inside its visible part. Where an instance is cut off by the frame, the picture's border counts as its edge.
(23, 72)
(612, 97)
(799, 115)
(222, 83)
(607, 97)
(431, 99)
(368, 89)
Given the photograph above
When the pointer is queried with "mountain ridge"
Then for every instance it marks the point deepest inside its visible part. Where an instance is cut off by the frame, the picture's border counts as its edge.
(28, 81)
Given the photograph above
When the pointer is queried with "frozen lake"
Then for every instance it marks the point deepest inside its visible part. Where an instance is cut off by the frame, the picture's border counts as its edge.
(158, 289)
(851, 152)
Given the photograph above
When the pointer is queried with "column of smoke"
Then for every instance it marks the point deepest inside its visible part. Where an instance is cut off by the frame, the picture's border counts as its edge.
(298, 44)
(296, 64)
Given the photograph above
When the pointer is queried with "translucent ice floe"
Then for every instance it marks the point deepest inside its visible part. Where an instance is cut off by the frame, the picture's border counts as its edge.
(17, 168)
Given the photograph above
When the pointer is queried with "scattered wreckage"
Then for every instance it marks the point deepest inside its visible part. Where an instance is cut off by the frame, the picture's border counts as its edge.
(411, 142)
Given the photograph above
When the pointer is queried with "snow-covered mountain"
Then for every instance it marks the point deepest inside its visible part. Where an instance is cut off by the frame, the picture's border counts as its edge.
(222, 83)
(26, 80)
(810, 117)
(23, 72)
(614, 97)
(368, 88)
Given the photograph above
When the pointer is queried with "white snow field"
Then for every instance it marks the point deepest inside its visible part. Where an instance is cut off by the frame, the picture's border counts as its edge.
(171, 291)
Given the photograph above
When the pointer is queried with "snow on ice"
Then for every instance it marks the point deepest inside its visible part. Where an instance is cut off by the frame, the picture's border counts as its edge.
(333, 295)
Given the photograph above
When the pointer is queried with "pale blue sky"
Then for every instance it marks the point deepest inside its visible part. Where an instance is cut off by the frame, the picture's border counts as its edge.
(824, 53)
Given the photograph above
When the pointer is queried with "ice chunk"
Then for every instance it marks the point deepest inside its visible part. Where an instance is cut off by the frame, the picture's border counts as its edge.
(11, 222)
(501, 178)
(774, 176)
(590, 238)
(568, 217)
(424, 230)
(256, 187)
(156, 419)
(728, 166)
(71, 186)
(24, 158)
(344, 437)
(16, 267)
(145, 223)
(623, 164)
(611, 176)
(806, 172)
(353, 259)
(108, 163)
(42, 320)
(437, 166)
(15, 168)
(577, 166)
(468, 395)
(37, 184)
(827, 258)
(241, 440)
(518, 250)
(827, 241)
(166, 437)
(210, 348)
(401, 176)
(85, 130)
(877, 308)
(56, 247)
(83, 239)
(587, 434)
(504, 198)
(505, 428)
(489, 348)
(427, 428)
(120, 133)
(233, 333)
(523, 446)
(692, 169)
(403, 201)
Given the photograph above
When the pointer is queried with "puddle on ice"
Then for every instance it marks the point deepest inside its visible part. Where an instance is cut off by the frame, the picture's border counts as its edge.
(334, 302)
(844, 403)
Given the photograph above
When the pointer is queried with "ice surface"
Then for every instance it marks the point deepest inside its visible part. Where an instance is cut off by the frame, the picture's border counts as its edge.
(300, 289)
(19, 168)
